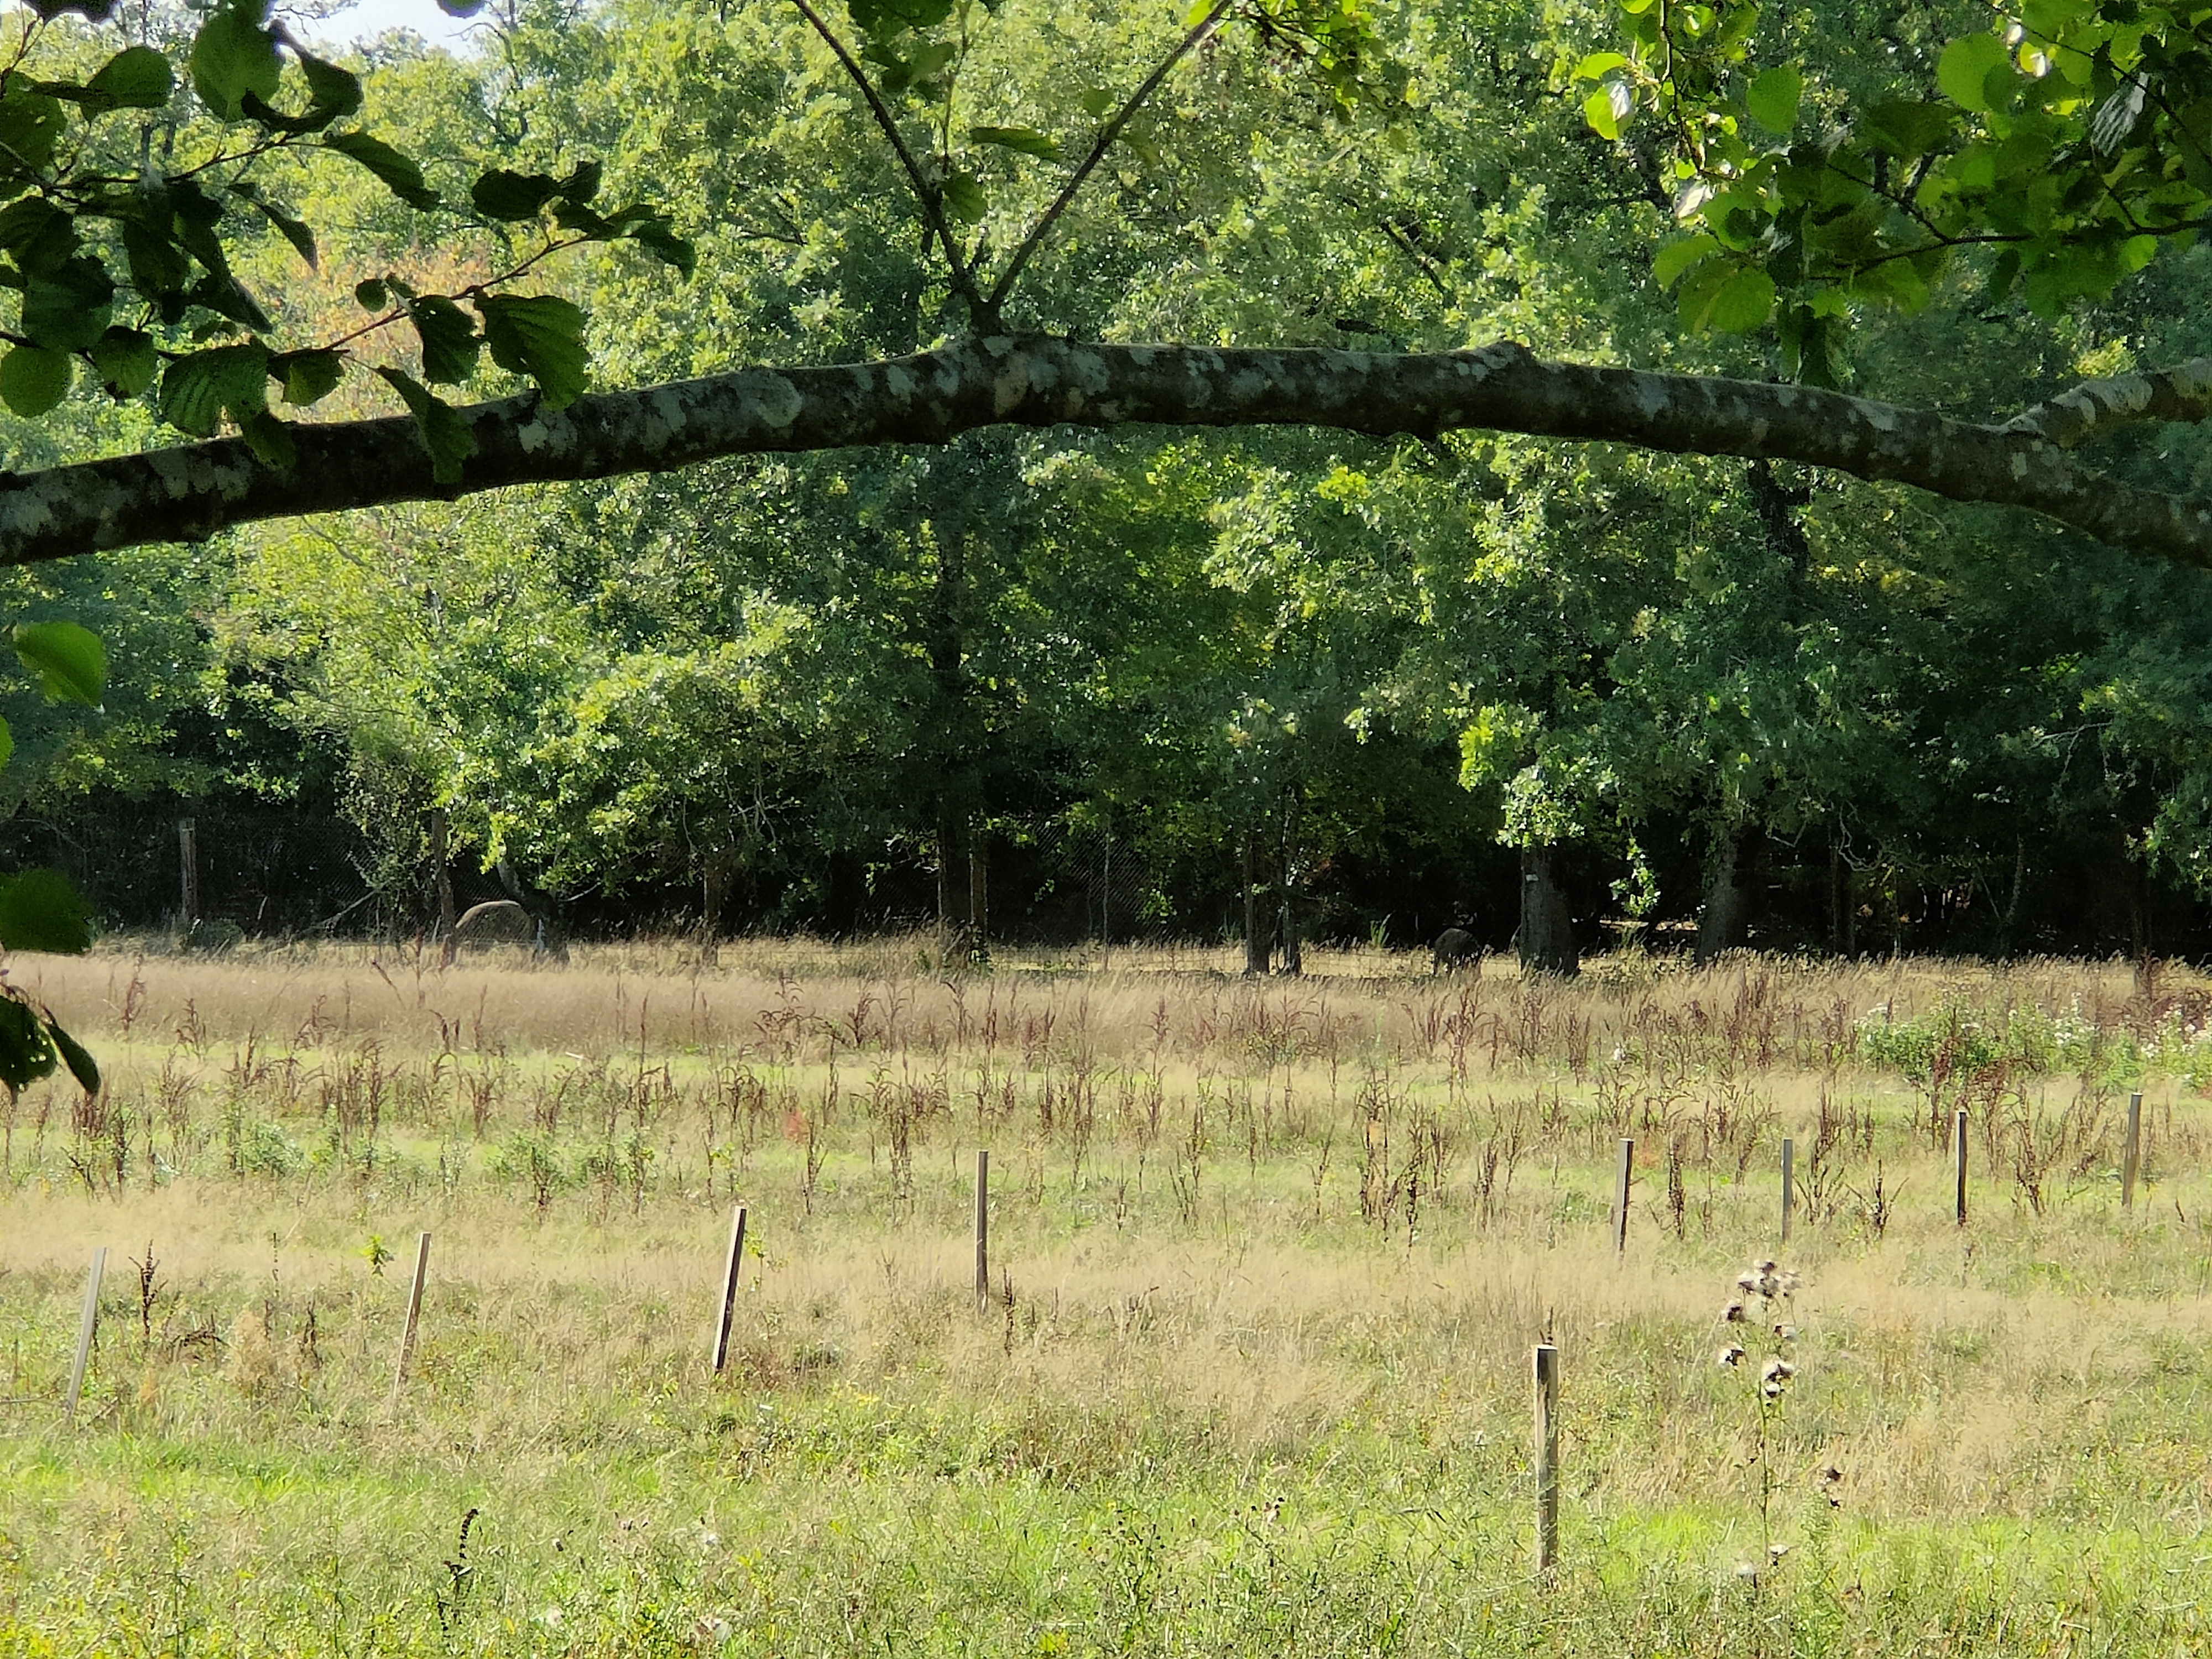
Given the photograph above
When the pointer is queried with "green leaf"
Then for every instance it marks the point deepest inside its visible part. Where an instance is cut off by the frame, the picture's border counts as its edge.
(33, 379)
(270, 439)
(1606, 110)
(1773, 97)
(965, 198)
(1597, 64)
(447, 437)
(40, 236)
(76, 1057)
(42, 910)
(232, 56)
(461, 8)
(1678, 257)
(7, 743)
(372, 294)
(1964, 70)
(512, 197)
(658, 237)
(334, 93)
(1098, 103)
(137, 77)
(583, 183)
(541, 336)
(891, 17)
(1026, 141)
(31, 125)
(69, 309)
(1906, 129)
(159, 263)
(295, 229)
(67, 657)
(450, 341)
(26, 1052)
(198, 390)
(307, 377)
(126, 360)
(1740, 304)
(400, 175)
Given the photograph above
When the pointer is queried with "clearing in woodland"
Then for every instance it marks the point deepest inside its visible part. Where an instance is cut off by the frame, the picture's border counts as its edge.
(1267, 1260)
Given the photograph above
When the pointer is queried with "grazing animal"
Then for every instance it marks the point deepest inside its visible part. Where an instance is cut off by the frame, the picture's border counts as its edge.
(1455, 948)
(500, 921)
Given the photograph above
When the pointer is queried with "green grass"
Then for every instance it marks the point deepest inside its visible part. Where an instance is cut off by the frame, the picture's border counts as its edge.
(1275, 1257)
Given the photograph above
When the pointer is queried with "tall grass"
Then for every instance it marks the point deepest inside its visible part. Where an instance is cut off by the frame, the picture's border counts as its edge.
(1270, 1257)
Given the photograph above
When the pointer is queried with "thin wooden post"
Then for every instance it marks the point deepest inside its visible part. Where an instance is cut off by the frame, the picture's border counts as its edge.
(982, 1230)
(2131, 1156)
(1789, 1183)
(729, 1290)
(1620, 1197)
(1547, 1455)
(1958, 1165)
(85, 1327)
(414, 1309)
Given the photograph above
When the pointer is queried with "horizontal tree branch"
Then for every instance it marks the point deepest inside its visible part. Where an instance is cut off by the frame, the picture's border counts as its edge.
(2183, 392)
(190, 492)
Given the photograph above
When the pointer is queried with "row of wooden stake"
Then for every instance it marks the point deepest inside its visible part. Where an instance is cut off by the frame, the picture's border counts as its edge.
(1546, 1363)
(2130, 1161)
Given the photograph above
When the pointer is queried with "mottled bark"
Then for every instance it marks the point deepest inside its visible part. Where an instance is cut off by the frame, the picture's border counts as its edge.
(190, 492)
(1547, 928)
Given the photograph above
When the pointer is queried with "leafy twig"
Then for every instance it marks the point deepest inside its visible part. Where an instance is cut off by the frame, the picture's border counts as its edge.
(1107, 134)
(930, 197)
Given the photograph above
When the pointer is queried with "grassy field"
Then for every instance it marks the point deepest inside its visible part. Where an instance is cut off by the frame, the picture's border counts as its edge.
(1268, 1260)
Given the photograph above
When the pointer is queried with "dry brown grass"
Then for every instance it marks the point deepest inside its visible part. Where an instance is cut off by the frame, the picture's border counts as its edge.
(1275, 1239)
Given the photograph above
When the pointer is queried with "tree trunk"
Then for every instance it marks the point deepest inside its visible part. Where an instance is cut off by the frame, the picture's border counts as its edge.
(1835, 892)
(714, 891)
(1256, 953)
(441, 871)
(188, 860)
(979, 896)
(1720, 927)
(952, 885)
(1547, 927)
(1286, 887)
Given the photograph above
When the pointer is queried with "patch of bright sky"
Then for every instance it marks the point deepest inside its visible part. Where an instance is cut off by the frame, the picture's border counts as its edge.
(366, 19)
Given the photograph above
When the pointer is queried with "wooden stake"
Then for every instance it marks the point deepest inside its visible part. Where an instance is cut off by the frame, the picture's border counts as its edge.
(85, 1326)
(1789, 1183)
(982, 1230)
(414, 1309)
(1620, 1198)
(2131, 1158)
(729, 1290)
(1959, 1163)
(1547, 1455)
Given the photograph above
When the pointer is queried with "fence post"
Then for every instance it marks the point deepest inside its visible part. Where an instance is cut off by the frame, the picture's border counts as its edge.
(85, 1326)
(414, 1310)
(2131, 1158)
(188, 858)
(1958, 1165)
(982, 1230)
(1620, 1197)
(1547, 1455)
(1789, 1183)
(729, 1290)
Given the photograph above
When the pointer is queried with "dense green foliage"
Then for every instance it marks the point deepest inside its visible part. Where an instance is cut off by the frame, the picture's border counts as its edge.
(1310, 681)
